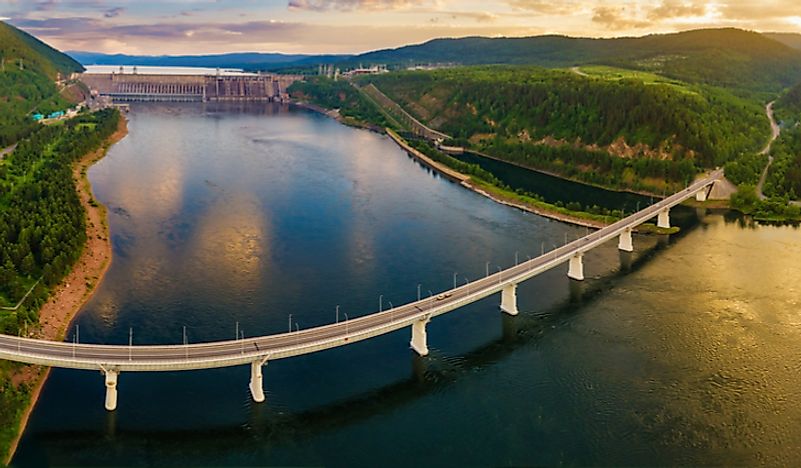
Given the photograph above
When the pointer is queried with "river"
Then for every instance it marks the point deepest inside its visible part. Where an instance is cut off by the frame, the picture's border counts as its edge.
(230, 217)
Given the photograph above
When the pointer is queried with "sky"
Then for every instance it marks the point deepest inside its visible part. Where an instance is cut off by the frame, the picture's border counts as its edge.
(173, 27)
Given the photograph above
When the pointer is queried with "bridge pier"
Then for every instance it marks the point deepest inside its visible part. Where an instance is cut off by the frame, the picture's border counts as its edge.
(576, 268)
(419, 341)
(111, 389)
(509, 299)
(701, 194)
(663, 219)
(625, 243)
(257, 380)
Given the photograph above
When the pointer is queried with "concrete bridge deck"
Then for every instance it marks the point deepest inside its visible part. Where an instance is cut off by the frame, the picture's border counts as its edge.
(113, 359)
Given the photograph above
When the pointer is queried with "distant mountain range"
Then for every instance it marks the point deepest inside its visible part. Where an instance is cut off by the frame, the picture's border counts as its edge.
(244, 60)
(726, 57)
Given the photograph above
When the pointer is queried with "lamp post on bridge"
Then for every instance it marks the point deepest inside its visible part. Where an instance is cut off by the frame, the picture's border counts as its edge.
(418, 291)
(486, 269)
(381, 303)
(454, 279)
(337, 313)
(290, 323)
(516, 260)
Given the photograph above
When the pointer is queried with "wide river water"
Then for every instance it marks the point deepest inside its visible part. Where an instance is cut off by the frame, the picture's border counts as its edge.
(233, 217)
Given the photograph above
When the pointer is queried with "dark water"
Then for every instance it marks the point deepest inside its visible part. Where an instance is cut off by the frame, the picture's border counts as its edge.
(686, 352)
(553, 189)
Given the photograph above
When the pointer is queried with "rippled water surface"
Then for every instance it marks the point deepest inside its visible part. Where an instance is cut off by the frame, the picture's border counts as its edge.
(235, 217)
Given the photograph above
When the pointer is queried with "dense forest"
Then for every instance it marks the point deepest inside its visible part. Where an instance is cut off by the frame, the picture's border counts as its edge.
(27, 92)
(784, 177)
(577, 126)
(722, 57)
(332, 94)
(42, 227)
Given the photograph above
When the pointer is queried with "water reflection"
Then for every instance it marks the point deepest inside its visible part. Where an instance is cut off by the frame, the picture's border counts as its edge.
(684, 351)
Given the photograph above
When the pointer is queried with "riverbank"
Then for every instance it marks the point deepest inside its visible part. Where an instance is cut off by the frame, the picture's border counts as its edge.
(516, 200)
(643, 193)
(77, 288)
(495, 193)
(334, 114)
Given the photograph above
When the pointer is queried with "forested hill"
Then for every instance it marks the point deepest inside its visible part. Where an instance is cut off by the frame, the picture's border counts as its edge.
(517, 112)
(29, 68)
(724, 57)
(35, 54)
(788, 107)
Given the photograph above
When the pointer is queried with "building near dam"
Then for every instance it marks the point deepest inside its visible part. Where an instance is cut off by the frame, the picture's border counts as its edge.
(188, 87)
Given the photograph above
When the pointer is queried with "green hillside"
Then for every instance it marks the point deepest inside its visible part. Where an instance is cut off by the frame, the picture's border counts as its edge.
(784, 177)
(723, 57)
(29, 68)
(614, 129)
(36, 55)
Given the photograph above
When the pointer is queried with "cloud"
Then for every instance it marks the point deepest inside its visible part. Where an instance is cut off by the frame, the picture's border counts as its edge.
(187, 37)
(545, 7)
(479, 16)
(617, 18)
(756, 10)
(675, 9)
(113, 12)
(352, 5)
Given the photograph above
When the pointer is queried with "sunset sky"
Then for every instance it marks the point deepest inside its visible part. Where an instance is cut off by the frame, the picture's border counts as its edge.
(350, 26)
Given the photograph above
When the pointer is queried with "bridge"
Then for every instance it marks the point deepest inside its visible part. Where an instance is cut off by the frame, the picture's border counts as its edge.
(111, 360)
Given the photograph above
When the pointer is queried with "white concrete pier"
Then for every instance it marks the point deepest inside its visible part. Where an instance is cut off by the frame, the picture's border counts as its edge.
(576, 269)
(419, 341)
(257, 380)
(701, 194)
(625, 242)
(663, 218)
(509, 299)
(111, 389)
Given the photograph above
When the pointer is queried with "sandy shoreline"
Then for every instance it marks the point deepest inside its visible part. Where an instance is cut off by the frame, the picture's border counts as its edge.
(77, 288)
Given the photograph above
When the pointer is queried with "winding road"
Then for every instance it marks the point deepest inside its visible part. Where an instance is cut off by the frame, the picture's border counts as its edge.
(775, 132)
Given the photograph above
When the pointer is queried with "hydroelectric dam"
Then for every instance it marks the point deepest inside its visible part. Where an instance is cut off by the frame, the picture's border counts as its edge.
(125, 86)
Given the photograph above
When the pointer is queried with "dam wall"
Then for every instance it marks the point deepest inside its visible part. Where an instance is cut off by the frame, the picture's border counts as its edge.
(185, 88)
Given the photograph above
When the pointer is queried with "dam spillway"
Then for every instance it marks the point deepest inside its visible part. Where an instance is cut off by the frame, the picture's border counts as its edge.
(189, 88)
